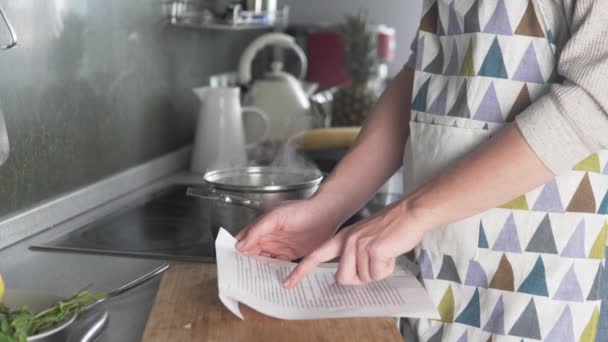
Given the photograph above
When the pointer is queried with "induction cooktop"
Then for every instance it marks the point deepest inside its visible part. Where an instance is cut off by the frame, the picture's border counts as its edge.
(171, 226)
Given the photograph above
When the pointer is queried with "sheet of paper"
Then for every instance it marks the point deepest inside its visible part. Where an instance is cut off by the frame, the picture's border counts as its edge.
(257, 283)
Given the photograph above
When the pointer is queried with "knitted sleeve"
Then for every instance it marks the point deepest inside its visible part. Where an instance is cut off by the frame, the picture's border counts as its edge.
(571, 121)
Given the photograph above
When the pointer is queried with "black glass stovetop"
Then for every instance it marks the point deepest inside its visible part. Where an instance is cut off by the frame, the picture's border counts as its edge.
(171, 226)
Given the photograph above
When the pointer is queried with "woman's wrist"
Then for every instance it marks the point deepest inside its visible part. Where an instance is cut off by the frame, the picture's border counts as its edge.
(422, 217)
(337, 205)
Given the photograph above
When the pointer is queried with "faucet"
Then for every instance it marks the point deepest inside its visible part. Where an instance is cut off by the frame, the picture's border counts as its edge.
(11, 31)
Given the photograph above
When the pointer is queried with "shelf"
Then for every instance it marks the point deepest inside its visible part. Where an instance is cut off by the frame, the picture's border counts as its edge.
(180, 13)
(222, 26)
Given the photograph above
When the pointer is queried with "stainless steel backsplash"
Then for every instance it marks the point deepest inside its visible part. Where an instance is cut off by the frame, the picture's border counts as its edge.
(95, 87)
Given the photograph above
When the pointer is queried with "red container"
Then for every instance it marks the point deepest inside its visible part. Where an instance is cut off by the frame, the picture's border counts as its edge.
(326, 60)
(326, 57)
(387, 43)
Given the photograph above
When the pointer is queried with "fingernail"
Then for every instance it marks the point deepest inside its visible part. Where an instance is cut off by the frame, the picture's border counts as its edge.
(240, 244)
(287, 283)
(266, 254)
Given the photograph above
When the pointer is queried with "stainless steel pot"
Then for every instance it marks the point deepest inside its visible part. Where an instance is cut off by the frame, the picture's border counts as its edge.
(233, 217)
(261, 188)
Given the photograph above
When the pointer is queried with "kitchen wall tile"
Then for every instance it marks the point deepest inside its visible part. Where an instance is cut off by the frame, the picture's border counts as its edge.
(95, 87)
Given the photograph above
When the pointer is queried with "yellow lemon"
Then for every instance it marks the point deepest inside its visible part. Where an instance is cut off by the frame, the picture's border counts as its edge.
(1, 288)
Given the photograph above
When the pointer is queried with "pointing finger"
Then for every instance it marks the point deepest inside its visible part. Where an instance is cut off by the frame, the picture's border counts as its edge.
(327, 251)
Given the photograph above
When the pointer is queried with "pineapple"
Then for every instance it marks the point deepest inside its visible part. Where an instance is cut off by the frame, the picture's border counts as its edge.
(354, 102)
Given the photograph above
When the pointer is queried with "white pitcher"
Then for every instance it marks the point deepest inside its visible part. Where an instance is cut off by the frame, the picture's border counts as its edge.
(220, 137)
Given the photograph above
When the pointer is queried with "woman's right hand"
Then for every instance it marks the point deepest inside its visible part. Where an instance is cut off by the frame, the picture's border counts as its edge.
(290, 231)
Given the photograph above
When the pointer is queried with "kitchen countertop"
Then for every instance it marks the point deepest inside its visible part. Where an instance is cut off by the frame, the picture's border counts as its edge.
(65, 273)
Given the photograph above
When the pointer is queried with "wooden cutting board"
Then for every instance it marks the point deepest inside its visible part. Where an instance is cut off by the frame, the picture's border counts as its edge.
(187, 308)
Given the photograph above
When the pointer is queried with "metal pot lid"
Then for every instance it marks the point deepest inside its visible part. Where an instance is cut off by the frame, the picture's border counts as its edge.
(263, 179)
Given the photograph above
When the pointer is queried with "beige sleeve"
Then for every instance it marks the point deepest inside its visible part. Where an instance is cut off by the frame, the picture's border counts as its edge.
(571, 121)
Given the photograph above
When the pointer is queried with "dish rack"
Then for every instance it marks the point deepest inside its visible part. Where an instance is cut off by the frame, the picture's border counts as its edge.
(192, 14)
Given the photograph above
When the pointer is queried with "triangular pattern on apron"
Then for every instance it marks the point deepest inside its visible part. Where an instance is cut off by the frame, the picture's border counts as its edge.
(520, 203)
(471, 19)
(499, 23)
(476, 276)
(522, 102)
(529, 24)
(439, 105)
(550, 199)
(590, 332)
(536, 283)
(438, 336)
(440, 31)
(595, 293)
(436, 66)
(495, 323)
(598, 251)
(483, 240)
(453, 25)
(603, 209)
(584, 199)
(534, 270)
(591, 164)
(543, 240)
(503, 279)
(420, 49)
(527, 323)
(569, 288)
(471, 313)
(489, 109)
(575, 248)
(494, 64)
(563, 328)
(508, 239)
(461, 106)
(468, 65)
(446, 306)
(419, 102)
(430, 19)
(452, 68)
(529, 69)
(426, 268)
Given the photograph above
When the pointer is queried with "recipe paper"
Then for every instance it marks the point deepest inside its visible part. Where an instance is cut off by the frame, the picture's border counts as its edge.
(258, 283)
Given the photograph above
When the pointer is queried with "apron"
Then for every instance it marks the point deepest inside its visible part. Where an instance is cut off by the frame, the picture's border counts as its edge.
(530, 270)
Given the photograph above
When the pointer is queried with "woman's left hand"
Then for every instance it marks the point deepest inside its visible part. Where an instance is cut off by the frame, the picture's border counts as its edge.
(368, 250)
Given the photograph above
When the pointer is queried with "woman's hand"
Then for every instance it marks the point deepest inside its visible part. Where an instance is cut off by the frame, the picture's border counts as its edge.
(368, 249)
(291, 231)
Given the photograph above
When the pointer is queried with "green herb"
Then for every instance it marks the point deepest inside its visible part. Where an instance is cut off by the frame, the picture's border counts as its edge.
(17, 325)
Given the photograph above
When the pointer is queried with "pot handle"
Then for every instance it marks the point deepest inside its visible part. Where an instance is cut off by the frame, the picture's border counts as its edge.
(215, 196)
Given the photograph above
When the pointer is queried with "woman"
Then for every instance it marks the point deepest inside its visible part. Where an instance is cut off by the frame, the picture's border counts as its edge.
(499, 98)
